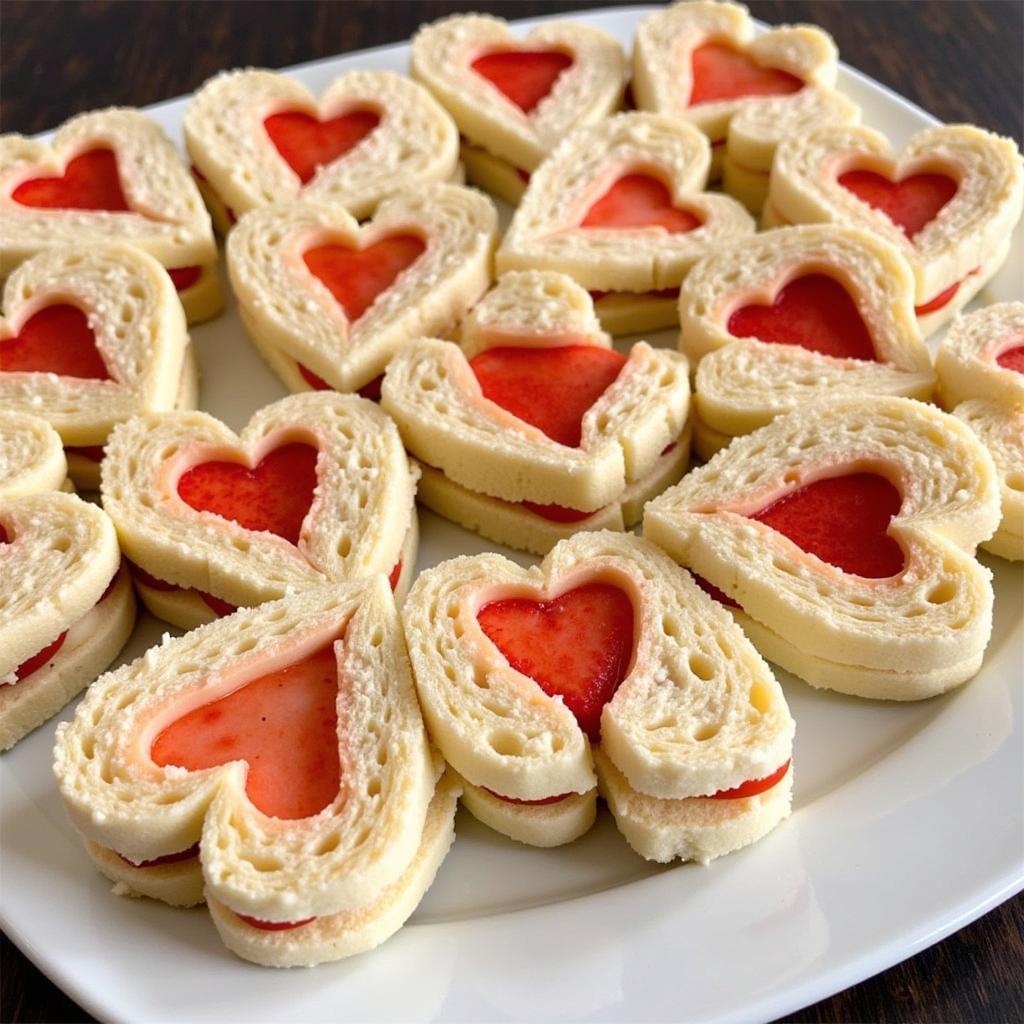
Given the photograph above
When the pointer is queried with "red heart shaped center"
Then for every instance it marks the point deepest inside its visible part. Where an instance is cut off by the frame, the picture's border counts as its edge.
(90, 182)
(639, 201)
(284, 724)
(814, 311)
(722, 73)
(355, 277)
(549, 388)
(1012, 358)
(843, 520)
(577, 646)
(524, 76)
(274, 495)
(306, 143)
(57, 339)
(910, 204)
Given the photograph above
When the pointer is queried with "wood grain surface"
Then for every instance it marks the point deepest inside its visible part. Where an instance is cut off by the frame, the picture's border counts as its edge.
(960, 60)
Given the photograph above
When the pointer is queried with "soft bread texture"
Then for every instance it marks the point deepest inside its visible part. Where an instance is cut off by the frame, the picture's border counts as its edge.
(348, 933)
(287, 309)
(174, 227)
(516, 526)
(544, 233)
(31, 456)
(543, 825)
(968, 234)
(636, 312)
(584, 93)
(902, 638)
(743, 383)
(178, 883)
(690, 828)
(269, 868)
(361, 513)
(1000, 428)
(415, 142)
(966, 360)
(203, 300)
(493, 174)
(692, 674)
(140, 334)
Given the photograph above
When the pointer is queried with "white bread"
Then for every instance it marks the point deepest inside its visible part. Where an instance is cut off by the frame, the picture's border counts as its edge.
(492, 174)
(275, 869)
(414, 142)
(743, 383)
(706, 440)
(544, 233)
(139, 330)
(698, 711)
(288, 309)
(1001, 429)
(585, 92)
(361, 511)
(174, 227)
(202, 298)
(31, 456)
(967, 239)
(178, 883)
(637, 312)
(903, 637)
(967, 360)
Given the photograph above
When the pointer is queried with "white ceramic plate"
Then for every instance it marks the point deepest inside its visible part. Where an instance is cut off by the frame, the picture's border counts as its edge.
(907, 824)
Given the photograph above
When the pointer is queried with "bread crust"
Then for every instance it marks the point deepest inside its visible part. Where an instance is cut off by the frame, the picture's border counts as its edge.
(967, 358)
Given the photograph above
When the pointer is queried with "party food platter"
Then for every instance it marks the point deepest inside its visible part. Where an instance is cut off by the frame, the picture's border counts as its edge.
(906, 825)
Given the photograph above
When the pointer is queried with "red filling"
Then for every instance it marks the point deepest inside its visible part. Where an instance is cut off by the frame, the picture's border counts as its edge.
(530, 803)
(752, 786)
(370, 391)
(220, 607)
(639, 201)
(549, 388)
(843, 520)
(307, 143)
(273, 496)
(396, 572)
(910, 204)
(184, 277)
(662, 293)
(90, 182)
(283, 724)
(712, 591)
(524, 76)
(92, 452)
(355, 277)
(273, 926)
(170, 858)
(722, 73)
(57, 339)
(556, 513)
(577, 646)
(814, 311)
(1012, 359)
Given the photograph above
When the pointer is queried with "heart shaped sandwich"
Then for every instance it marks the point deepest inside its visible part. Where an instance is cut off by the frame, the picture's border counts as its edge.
(109, 176)
(619, 207)
(981, 379)
(328, 302)
(842, 535)
(92, 336)
(66, 608)
(256, 137)
(604, 657)
(796, 314)
(316, 487)
(514, 100)
(948, 202)
(275, 763)
(702, 62)
(536, 428)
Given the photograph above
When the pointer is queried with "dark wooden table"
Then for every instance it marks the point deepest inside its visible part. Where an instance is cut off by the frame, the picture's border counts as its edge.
(959, 60)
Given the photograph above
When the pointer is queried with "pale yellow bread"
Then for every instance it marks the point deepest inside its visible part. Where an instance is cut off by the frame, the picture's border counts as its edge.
(359, 519)
(967, 358)
(636, 312)
(902, 637)
(584, 93)
(743, 383)
(167, 217)
(274, 869)
(516, 526)
(543, 825)
(706, 440)
(1001, 429)
(969, 234)
(178, 883)
(204, 298)
(690, 828)
(493, 174)
(291, 311)
(545, 232)
(335, 936)
(748, 186)
(697, 712)
(31, 456)
(414, 143)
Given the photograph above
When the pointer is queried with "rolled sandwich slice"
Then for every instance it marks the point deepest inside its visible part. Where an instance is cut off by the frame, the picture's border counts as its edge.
(32, 459)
